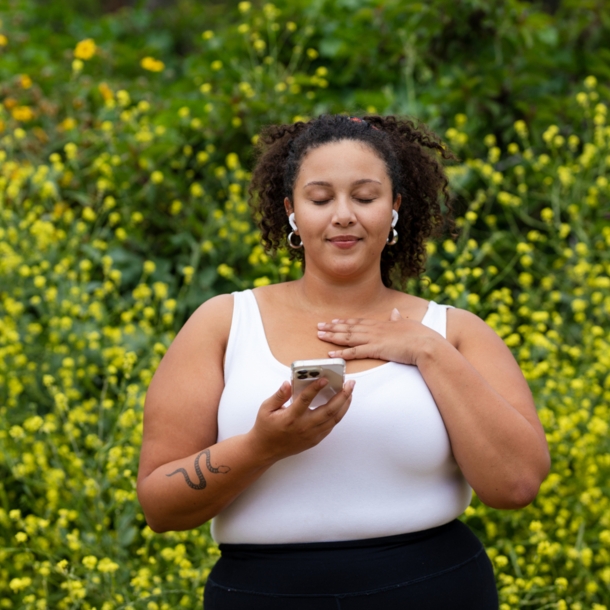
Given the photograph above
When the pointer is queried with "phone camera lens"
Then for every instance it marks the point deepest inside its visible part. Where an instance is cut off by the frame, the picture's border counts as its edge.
(301, 374)
(314, 373)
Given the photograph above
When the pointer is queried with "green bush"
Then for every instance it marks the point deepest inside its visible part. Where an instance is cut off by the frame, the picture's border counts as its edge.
(122, 208)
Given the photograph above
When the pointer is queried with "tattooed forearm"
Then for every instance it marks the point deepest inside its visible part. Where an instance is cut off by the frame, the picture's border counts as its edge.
(202, 482)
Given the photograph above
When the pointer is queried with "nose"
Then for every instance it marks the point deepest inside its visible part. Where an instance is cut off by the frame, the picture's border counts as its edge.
(343, 213)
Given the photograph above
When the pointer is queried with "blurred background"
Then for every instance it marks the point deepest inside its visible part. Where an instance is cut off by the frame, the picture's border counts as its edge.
(126, 140)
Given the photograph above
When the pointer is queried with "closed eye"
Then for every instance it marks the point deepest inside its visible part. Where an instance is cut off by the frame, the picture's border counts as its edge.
(365, 200)
(320, 202)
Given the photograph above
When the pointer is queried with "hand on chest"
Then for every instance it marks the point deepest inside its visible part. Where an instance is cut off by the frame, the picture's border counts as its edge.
(293, 338)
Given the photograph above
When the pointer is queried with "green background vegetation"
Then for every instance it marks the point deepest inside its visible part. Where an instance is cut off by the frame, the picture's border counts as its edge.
(123, 183)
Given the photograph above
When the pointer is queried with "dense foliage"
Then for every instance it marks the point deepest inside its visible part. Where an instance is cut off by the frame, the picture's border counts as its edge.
(124, 168)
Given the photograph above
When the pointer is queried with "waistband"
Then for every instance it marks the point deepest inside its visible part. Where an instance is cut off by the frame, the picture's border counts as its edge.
(345, 567)
(363, 543)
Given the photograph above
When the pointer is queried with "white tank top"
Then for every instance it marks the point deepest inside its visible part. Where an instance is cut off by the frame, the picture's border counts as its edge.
(385, 469)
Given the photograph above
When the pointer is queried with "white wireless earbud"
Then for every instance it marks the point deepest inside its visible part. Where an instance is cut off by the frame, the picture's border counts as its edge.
(292, 223)
(394, 218)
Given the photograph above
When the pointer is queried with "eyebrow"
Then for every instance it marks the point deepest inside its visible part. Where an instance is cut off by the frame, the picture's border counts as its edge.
(322, 183)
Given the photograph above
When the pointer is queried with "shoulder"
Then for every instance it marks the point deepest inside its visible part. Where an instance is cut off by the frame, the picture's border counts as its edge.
(465, 329)
(273, 296)
(211, 321)
(272, 291)
(218, 309)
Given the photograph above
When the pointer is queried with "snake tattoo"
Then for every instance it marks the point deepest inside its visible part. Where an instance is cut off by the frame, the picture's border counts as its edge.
(202, 482)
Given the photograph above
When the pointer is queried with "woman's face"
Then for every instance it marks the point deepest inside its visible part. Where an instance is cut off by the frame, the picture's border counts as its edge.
(343, 209)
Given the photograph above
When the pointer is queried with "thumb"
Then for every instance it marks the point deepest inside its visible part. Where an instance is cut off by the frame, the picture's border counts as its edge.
(280, 397)
(395, 315)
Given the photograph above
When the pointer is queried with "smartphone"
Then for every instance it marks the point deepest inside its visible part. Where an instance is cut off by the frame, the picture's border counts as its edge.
(306, 371)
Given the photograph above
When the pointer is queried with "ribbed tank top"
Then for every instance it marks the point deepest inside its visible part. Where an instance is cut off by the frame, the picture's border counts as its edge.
(385, 469)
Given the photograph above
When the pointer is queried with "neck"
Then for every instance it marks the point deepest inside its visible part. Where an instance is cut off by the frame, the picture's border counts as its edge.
(342, 298)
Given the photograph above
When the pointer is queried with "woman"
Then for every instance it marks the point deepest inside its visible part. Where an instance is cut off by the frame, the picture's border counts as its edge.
(353, 504)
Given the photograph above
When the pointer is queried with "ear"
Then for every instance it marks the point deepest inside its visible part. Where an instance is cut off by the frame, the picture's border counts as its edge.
(397, 203)
(288, 206)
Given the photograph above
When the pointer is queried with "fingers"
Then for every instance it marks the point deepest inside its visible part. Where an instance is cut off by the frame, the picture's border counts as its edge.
(342, 334)
(333, 411)
(351, 321)
(351, 353)
(279, 399)
(305, 398)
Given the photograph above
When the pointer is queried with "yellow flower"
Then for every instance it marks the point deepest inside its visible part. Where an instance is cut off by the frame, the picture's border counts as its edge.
(224, 270)
(107, 565)
(88, 214)
(188, 272)
(123, 97)
(3, 40)
(22, 113)
(590, 82)
(262, 281)
(521, 128)
(152, 65)
(18, 584)
(160, 290)
(232, 161)
(156, 177)
(207, 35)
(149, 267)
(196, 189)
(85, 49)
(449, 246)
(67, 124)
(90, 561)
(106, 91)
(244, 7)
(26, 82)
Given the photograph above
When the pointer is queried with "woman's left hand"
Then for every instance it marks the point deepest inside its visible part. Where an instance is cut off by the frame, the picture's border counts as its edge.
(395, 340)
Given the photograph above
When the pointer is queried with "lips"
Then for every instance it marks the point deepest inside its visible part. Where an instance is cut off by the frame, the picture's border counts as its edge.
(344, 242)
(344, 238)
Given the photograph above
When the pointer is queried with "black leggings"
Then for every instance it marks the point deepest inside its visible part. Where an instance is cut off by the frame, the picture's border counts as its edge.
(443, 568)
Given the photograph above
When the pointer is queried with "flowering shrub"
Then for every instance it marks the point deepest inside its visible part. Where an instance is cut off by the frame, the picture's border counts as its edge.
(121, 212)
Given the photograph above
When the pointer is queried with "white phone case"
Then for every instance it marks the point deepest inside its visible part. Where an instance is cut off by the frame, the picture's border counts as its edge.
(306, 371)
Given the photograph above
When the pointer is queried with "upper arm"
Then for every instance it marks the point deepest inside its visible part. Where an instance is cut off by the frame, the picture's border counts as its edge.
(181, 406)
(492, 359)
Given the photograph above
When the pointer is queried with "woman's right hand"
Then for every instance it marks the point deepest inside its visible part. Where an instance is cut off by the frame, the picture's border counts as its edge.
(282, 431)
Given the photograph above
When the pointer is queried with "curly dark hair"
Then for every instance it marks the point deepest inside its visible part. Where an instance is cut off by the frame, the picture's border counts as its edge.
(411, 153)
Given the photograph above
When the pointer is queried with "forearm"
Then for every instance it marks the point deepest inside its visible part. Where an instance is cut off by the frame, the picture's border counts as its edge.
(499, 451)
(186, 493)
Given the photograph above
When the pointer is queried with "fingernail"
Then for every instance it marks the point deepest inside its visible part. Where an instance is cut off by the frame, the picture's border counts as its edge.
(332, 354)
(350, 385)
(321, 324)
(335, 321)
(322, 382)
(321, 333)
